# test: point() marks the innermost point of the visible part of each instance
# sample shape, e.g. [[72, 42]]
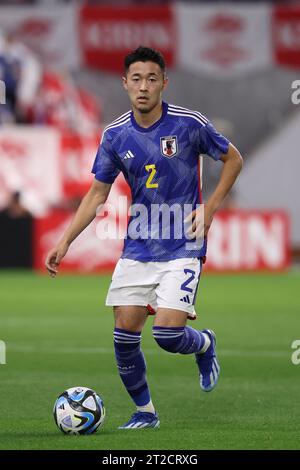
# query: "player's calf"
[[183, 340], [209, 368]]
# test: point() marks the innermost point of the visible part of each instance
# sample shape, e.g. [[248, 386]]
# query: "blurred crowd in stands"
[[35, 95]]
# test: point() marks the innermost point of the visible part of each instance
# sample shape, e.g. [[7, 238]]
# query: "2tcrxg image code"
[[151, 459]]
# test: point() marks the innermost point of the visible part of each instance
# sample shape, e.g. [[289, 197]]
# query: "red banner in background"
[[108, 33], [89, 252], [224, 40], [51, 168], [50, 33], [77, 156], [238, 241], [245, 240], [286, 35], [30, 164]]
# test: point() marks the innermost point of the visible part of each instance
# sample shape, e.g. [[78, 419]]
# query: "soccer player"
[[156, 146]]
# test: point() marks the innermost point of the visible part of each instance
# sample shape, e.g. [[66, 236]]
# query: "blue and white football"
[[79, 410]]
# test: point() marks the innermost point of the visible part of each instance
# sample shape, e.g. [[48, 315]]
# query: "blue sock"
[[131, 365], [183, 340]]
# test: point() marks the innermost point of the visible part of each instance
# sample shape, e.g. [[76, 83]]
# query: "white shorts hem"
[[177, 307], [124, 304]]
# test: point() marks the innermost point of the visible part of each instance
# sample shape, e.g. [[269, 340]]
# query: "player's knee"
[[166, 340], [130, 318]]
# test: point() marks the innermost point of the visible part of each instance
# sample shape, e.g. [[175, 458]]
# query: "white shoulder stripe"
[[188, 115], [107, 128], [185, 110], [120, 117], [110, 126], [181, 108], [191, 113]]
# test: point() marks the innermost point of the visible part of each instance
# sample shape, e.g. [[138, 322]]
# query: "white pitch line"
[[24, 348]]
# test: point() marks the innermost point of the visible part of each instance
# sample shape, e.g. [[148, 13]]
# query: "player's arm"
[[85, 213], [233, 163]]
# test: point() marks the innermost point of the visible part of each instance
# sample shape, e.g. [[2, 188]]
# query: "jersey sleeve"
[[210, 142], [105, 167]]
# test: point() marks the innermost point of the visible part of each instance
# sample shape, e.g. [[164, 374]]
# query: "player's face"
[[145, 83]]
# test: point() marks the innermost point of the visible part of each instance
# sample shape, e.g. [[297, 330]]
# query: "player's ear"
[[124, 81], [165, 82]]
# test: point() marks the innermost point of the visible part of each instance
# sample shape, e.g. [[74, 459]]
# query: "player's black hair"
[[144, 54]]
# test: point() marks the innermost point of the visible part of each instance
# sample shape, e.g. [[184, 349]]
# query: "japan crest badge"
[[169, 146]]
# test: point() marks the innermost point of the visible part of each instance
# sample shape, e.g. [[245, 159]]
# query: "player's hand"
[[54, 258], [199, 221], [209, 213]]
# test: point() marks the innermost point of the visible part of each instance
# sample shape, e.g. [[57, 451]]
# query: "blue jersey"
[[161, 164]]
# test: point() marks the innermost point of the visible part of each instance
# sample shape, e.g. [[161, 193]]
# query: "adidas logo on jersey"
[[186, 299], [129, 154]]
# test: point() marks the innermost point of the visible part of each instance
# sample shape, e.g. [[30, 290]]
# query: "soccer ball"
[[79, 410]]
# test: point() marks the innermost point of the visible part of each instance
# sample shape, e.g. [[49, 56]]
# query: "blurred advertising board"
[[108, 33], [50, 33], [249, 240], [286, 35], [51, 169], [238, 241], [47, 166], [223, 39], [30, 164]]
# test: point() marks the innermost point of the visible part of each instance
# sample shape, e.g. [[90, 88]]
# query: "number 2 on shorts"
[[184, 285]]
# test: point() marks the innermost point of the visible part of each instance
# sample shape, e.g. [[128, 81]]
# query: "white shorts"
[[166, 284]]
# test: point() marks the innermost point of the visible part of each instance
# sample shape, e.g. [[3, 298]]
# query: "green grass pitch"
[[58, 334]]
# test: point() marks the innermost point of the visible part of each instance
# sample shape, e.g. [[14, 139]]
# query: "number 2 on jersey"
[[151, 168]]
